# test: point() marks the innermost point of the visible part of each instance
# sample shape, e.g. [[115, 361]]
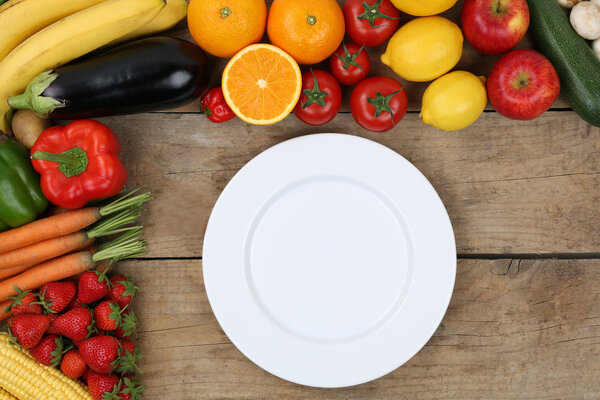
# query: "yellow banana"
[[67, 39], [168, 17], [20, 19]]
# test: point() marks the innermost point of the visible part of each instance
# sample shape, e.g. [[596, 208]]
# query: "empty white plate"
[[329, 260]]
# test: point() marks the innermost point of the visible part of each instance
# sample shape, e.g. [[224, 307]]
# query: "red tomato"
[[350, 64], [321, 98], [370, 22], [378, 103]]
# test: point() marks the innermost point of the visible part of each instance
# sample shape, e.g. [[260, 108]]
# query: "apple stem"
[[499, 8]]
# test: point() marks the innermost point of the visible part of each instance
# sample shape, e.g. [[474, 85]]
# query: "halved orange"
[[262, 84]]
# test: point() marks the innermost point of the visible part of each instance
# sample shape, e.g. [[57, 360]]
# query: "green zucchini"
[[574, 60]]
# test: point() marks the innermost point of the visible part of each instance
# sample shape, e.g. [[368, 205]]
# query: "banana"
[[174, 11], [67, 39], [20, 19]]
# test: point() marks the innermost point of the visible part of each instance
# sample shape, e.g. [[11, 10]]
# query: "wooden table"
[[524, 200]]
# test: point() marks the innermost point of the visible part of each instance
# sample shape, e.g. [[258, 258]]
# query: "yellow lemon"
[[424, 49], [422, 8], [454, 101]]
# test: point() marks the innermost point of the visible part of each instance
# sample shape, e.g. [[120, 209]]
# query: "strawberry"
[[99, 352], [76, 324], [73, 365], [24, 303], [56, 296], [123, 290], [99, 384], [27, 329], [52, 330], [86, 374], [128, 325], [108, 315], [128, 356], [74, 304], [93, 285], [49, 350], [130, 389]]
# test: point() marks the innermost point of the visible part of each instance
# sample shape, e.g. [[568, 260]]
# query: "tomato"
[[350, 64], [321, 98], [370, 22], [214, 106], [378, 103]]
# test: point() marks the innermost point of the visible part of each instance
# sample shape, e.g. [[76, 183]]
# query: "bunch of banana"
[[50, 33], [20, 19]]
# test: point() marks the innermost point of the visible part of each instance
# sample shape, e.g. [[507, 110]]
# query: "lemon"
[[454, 101], [424, 49], [422, 8]]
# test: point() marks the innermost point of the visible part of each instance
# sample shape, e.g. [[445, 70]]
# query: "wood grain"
[[471, 60], [509, 187], [526, 329]]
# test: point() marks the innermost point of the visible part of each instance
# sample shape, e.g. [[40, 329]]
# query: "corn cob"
[[26, 379], [4, 395]]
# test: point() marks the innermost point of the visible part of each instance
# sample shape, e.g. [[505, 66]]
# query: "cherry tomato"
[[350, 64], [370, 22], [321, 98], [214, 106], [378, 103]]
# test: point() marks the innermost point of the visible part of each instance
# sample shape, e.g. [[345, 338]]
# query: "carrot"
[[20, 259], [71, 264], [4, 306], [64, 224], [36, 253], [8, 272]]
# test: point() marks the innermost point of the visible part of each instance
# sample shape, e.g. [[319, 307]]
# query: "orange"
[[224, 27], [262, 84], [310, 30]]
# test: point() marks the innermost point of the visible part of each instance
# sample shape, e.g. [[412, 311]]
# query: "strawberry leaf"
[[130, 288]]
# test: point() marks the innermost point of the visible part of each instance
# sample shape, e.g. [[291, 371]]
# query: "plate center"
[[328, 258]]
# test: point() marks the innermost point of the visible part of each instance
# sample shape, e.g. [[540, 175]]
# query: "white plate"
[[329, 260]]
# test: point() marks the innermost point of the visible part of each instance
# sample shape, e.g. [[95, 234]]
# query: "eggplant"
[[150, 74]]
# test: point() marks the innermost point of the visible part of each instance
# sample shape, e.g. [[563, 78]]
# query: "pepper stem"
[[71, 162]]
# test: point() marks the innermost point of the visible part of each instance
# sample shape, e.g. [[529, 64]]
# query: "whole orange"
[[224, 27], [309, 30]]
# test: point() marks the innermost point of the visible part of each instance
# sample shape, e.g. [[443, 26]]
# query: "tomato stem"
[[372, 12], [350, 59], [314, 95], [382, 103]]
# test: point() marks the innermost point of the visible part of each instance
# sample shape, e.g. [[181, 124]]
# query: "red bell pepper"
[[79, 163], [214, 106]]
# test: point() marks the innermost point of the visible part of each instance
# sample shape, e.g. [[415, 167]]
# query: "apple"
[[494, 26], [523, 84]]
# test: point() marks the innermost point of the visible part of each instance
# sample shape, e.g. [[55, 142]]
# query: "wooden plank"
[[509, 187], [471, 60], [526, 329]]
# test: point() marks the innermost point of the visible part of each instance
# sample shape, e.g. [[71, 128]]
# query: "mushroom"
[[585, 18], [596, 47], [568, 3]]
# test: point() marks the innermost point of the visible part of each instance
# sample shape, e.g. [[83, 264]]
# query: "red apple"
[[523, 84], [494, 26]]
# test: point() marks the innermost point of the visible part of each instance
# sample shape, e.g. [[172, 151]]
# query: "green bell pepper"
[[21, 198]]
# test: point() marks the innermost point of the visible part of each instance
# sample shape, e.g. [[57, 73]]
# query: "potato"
[[27, 127]]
